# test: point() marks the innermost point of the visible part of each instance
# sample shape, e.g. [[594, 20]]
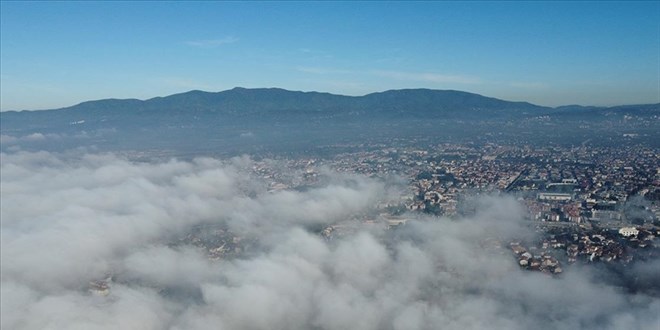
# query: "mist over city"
[[330, 165], [98, 217]]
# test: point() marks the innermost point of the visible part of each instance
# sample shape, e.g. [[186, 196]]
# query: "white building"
[[628, 231], [555, 196]]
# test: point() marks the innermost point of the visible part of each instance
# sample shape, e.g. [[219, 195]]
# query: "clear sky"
[[56, 54]]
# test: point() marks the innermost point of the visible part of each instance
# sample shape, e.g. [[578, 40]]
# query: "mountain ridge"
[[241, 119], [230, 97]]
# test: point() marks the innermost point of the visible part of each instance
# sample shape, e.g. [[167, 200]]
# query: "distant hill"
[[592, 111], [445, 102], [241, 101], [283, 116], [272, 103]]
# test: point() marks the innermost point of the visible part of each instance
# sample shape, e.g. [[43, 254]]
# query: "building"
[[546, 196], [628, 231]]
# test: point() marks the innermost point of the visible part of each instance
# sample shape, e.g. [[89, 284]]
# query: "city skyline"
[[60, 54]]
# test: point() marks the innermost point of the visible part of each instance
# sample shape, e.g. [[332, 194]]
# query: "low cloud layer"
[[69, 220]]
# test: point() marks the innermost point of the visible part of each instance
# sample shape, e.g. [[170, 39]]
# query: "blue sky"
[[56, 54]]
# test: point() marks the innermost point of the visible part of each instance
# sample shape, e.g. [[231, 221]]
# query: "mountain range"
[[241, 102], [205, 116]]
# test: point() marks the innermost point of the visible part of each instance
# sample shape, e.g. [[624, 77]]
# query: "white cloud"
[[34, 137], [178, 83], [211, 43], [68, 219], [8, 139], [321, 70], [529, 85], [428, 77]]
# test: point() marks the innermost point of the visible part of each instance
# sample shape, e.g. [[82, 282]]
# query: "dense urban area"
[[589, 205]]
